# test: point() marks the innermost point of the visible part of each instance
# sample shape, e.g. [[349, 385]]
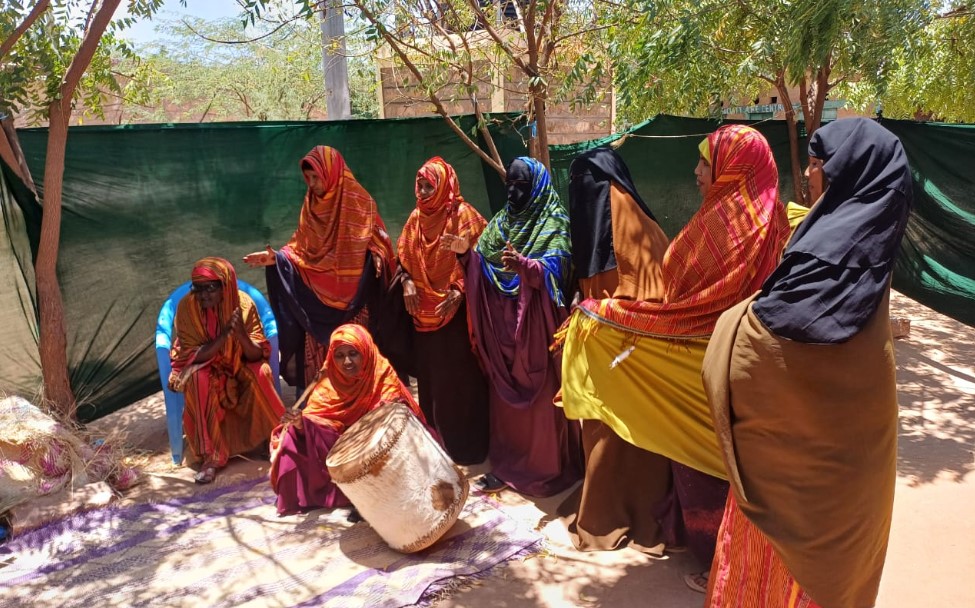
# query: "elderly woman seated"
[[354, 380], [220, 364]]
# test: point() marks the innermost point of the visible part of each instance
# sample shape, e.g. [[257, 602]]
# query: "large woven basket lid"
[[367, 442]]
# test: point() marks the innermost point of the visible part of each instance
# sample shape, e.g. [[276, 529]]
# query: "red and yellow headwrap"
[[726, 250], [339, 400], [336, 230], [434, 271], [219, 269]]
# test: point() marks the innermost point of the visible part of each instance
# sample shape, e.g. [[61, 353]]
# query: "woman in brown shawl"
[[220, 364], [617, 250], [801, 384]]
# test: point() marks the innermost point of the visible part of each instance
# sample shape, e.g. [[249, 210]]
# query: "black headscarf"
[[836, 268], [590, 221], [518, 183]]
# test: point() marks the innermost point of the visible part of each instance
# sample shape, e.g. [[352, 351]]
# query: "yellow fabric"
[[705, 149], [795, 213], [657, 396]]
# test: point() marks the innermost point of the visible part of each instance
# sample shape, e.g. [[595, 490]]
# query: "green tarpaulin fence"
[[141, 203]]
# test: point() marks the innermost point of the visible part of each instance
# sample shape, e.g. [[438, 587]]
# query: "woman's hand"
[[457, 244], [410, 298], [377, 262], [236, 326], [260, 258], [292, 417], [450, 304], [512, 260]]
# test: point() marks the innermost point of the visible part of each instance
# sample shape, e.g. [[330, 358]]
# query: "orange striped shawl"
[[434, 271], [194, 327], [338, 401], [726, 251], [335, 231]]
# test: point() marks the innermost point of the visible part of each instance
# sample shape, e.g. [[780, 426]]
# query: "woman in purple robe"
[[516, 277]]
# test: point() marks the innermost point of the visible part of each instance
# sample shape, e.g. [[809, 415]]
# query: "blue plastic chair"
[[164, 340]]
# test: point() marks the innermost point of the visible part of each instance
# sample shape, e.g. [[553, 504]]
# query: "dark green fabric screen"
[[142, 203], [936, 265]]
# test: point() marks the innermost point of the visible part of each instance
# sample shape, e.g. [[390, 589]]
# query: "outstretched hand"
[[457, 244], [260, 258], [512, 260]]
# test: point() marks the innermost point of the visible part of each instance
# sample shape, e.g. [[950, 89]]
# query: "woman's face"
[[315, 183], [424, 188], [815, 179], [702, 174], [349, 360], [208, 293], [518, 183]]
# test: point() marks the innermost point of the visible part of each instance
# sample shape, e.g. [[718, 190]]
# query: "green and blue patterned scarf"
[[539, 230]]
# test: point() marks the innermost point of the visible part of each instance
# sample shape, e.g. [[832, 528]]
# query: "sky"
[[144, 31]]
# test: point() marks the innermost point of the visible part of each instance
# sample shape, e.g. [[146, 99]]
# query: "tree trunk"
[[53, 341], [540, 141], [13, 155], [822, 89], [792, 128]]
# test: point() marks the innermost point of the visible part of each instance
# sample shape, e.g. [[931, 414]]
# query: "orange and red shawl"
[[728, 248], [335, 231], [338, 401], [434, 271]]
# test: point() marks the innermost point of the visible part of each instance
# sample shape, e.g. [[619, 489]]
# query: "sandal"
[[698, 582], [205, 476], [489, 484]]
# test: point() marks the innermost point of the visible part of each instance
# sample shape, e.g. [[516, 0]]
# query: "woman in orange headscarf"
[[220, 363], [335, 266], [635, 365], [354, 380], [453, 392]]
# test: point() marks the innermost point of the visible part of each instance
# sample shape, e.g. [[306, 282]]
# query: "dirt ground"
[[931, 554]]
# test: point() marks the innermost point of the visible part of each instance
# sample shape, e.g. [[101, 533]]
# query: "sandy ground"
[[932, 546]]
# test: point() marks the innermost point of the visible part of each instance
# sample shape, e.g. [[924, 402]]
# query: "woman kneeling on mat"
[[354, 380]]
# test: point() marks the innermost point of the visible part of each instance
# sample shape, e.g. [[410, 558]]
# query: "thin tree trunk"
[[822, 90], [790, 121], [53, 340], [541, 124]]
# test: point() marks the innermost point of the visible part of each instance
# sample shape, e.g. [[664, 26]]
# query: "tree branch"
[[89, 44], [493, 33], [12, 39], [261, 37], [494, 163]]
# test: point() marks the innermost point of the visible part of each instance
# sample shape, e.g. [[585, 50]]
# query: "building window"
[[774, 100]]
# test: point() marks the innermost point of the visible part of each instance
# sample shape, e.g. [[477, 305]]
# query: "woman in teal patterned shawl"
[[535, 224], [515, 278]]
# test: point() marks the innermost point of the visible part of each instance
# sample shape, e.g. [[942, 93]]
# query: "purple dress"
[[533, 447]]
